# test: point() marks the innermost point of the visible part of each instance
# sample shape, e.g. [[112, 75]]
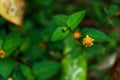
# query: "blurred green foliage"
[[31, 55]]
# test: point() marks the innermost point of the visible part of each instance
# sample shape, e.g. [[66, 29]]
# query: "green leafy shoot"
[[74, 20], [60, 33]]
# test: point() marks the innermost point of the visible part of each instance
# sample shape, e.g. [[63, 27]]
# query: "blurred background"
[[46, 60]]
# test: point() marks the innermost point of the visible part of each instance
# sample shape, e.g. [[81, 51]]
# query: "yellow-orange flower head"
[[77, 35], [88, 41], [10, 78], [2, 53]]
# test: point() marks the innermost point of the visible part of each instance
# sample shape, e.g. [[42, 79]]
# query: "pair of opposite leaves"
[[12, 10]]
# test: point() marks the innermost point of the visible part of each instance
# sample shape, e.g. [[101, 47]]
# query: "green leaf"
[[74, 19], [97, 35], [60, 33], [45, 69], [17, 75], [60, 20], [6, 67], [11, 43], [35, 52], [1, 42], [99, 15], [113, 9], [94, 51], [74, 68], [26, 72], [25, 44]]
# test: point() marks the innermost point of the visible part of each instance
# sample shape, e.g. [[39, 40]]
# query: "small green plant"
[[76, 45], [79, 47], [69, 24]]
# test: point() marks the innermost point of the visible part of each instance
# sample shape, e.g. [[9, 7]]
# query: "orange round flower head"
[[42, 45], [10, 78], [2, 53], [77, 35], [88, 41]]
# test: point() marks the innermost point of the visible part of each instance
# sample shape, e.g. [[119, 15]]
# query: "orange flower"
[[10, 78], [88, 41], [42, 45], [2, 53], [77, 35]]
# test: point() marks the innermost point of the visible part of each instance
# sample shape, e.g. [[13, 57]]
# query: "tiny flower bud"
[[2, 53], [77, 35], [88, 41], [42, 45]]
